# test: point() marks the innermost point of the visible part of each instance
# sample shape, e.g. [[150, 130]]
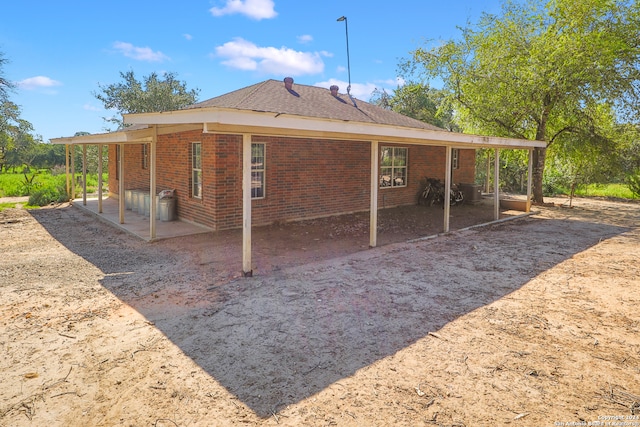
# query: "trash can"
[[128, 199], [147, 204], [167, 209], [134, 200], [472, 192]]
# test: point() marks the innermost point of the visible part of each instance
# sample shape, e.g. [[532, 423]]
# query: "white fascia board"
[[271, 121], [120, 137]]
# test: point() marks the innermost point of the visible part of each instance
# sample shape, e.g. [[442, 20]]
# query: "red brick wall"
[[305, 178], [310, 178], [135, 176]]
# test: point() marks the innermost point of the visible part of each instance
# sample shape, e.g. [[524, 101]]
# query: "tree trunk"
[[539, 156]]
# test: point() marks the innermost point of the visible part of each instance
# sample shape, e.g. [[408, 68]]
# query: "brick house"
[[275, 151]]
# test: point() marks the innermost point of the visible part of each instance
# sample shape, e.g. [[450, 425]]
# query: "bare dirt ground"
[[531, 322]]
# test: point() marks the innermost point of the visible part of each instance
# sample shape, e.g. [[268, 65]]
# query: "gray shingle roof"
[[308, 101]]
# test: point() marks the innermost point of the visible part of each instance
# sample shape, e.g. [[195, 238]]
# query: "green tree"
[[5, 85], [424, 103], [419, 101], [25, 146], [16, 139], [153, 94], [541, 71], [10, 128]]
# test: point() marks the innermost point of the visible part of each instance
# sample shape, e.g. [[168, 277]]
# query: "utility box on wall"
[[472, 192]]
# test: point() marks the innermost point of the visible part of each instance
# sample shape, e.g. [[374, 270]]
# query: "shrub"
[[553, 183], [58, 170], [47, 195], [633, 181]]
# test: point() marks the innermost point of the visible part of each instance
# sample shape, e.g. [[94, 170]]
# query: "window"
[[257, 171], [455, 158], [393, 167], [145, 156], [196, 170]]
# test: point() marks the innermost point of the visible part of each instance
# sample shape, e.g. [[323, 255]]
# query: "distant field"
[[17, 184], [619, 191]]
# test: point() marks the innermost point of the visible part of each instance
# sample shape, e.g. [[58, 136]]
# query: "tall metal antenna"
[[346, 29]]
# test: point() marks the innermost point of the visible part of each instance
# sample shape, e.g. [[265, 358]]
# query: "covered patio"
[[108, 210], [279, 246], [112, 209], [285, 115]]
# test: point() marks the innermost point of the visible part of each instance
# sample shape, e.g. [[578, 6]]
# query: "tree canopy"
[[558, 71], [419, 101], [152, 94], [15, 132], [5, 84]]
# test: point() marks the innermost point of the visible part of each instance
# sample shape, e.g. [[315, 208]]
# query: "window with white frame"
[[257, 170], [196, 170], [455, 158], [393, 166]]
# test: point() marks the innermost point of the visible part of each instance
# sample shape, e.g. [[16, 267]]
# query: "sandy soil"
[[531, 322]]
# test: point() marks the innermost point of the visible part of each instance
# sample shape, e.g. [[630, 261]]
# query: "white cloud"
[[254, 9], [37, 82], [305, 38], [244, 55], [187, 36], [89, 107], [358, 90], [140, 53]]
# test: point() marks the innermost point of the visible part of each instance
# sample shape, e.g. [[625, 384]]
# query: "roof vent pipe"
[[334, 90], [288, 83]]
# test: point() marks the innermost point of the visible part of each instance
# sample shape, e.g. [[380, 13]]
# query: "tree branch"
[[561, 131]]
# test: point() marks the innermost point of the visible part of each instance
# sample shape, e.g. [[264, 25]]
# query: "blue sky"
[[60, 52]]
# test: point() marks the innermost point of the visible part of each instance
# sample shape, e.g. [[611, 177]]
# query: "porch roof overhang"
[[226, 120], [232, 121], [134, 135]]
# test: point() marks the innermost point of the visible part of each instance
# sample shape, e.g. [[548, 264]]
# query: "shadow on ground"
[[310, 321]]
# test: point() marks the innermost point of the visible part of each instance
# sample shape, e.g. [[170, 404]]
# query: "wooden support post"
[[152, 184], [373, 206], [84, 175], [447, 188], [487, 180], [496, 185], [100, 161], [529, 179], [73, 172], [67, 169], [121, 184], [247, 270]]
